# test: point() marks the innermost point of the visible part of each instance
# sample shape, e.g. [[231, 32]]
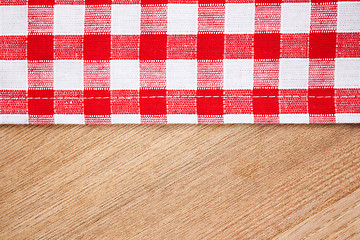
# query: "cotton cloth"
[[179, 61]]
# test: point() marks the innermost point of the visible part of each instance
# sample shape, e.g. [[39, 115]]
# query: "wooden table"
[[180, 182]]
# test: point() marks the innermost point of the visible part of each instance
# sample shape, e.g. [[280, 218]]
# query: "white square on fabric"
[[69, 19], [347, 72], [13, 20], [240, 18], [181, 118], [69, 119], [347, 117], [124, 74], [238, 118], [13, 75], [14, 118], [125, 118], [68, 75], [295, 17], [294, 118], [348, 17], [125, 19], [293, 73], [182, 19], [238, 73], [181, 74]]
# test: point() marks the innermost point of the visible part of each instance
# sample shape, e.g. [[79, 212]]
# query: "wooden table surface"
[[180, 182]]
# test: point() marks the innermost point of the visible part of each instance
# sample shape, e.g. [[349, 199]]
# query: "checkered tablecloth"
[[179, 61]]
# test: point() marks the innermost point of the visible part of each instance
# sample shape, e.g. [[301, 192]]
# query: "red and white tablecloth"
[[179, 61]]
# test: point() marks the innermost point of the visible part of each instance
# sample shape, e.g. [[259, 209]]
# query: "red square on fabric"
[[294, 45], [210, 102], [211, 18], [267, 1], [68, 47], [97, 47], [210, 74], [40, 19], [97, 19], [293, 101], [97, 119], [266, 74], [97, 102], [181, 101], [13, 47], [347, 100], [181, 46], [154, 2], [267, 46], [125, 102], [40, 75], [348, 45], [183, 1], [267, 18], [211, 1], [125, 46], [41, 2], [321, 101], [13, 102], [97, 2], [40, 47], [210, 46], [238, 101], [322, 45], [153, 19], [69, 2], [96, 75], [239, 46], [153, 74], [323, 1], [239, 1], [69, 102], [153, 46], [152, 101], [321, 73], [265, 101], [323, 17], [126, 1], [13, 2], [41, 102]]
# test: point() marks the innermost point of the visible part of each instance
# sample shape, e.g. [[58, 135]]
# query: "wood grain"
[[342, 219], [180, 182]]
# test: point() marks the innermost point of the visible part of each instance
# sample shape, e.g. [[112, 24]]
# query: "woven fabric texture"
[[179, 61]]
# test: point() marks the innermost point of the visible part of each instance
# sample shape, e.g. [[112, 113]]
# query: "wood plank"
[[340, 220], [172, 182]]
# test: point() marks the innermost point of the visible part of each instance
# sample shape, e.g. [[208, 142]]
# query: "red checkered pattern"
[[179, 61]]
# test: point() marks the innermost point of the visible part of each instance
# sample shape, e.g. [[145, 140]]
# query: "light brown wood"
[[180, 182], [342, 219]]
